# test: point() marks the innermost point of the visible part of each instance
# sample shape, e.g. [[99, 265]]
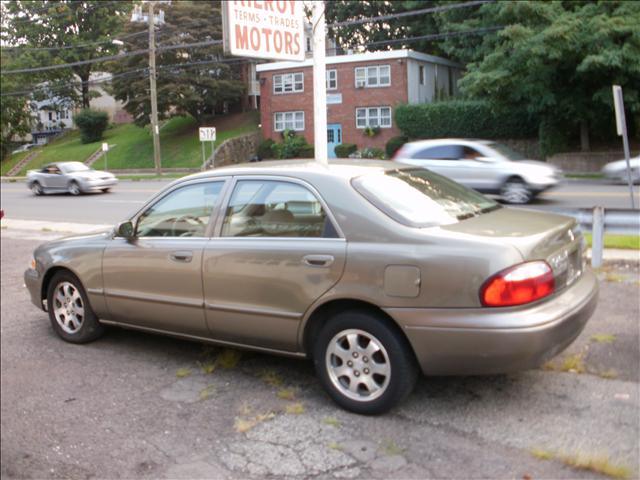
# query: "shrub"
[[464, 118], [307, 152], [394, 144], [92, 125], [369, 152], [345, 149], [265, 149], [292, 146]]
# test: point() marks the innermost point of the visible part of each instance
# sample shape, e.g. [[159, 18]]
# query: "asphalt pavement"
[[18, 202], [134, 405]]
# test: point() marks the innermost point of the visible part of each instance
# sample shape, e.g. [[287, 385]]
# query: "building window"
[[288, 83], [421, 75], [332, 79], [373, 117], [289, 121], [375, 76]]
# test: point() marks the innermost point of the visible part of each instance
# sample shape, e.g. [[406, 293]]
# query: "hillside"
[[132, 146]]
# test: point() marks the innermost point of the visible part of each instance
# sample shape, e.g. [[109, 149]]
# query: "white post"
[[319, 83], [597, 237], [621, 126]]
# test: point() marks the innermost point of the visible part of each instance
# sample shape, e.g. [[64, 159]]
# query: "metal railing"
[[598, 220]]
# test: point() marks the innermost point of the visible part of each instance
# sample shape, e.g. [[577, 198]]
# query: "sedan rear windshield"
[[417, 197]]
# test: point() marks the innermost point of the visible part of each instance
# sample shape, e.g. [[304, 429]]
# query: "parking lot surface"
[[134, 405]]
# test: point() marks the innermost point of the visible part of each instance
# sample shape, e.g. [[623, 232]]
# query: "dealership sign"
[[263, 29]]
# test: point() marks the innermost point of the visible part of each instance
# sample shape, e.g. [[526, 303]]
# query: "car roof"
[[303, 168]]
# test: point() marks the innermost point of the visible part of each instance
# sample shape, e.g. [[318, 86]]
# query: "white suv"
[[485, 166]]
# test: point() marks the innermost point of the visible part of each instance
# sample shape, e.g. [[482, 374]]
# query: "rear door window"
[[269, 208], [417, 197], [441, 152]]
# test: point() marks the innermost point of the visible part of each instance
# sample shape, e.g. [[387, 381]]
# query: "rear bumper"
[[477, 341]]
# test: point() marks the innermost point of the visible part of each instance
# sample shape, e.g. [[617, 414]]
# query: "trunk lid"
[[536, 235]]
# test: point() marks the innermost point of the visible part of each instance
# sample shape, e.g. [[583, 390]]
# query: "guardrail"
[[598, 220]]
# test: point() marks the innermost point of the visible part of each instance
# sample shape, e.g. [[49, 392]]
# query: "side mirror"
[[125, 230]]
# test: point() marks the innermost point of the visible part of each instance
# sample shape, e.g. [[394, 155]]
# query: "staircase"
[[96, 155], [22, 163]]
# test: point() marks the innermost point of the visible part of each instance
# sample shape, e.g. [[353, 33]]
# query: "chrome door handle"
[[318, 260], [181, 256]]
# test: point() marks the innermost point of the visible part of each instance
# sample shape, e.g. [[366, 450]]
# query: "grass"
[[133, 145], [390, 448], [206, 392], [585, 175], [333, 421], [271, 377], [334, 446], [295, 408], [10, 162], [287, 394], [208, 367], [183, 372], [571, 363], [243, 425], [627, 242], [603, 338], [593, 463], [228, 358]]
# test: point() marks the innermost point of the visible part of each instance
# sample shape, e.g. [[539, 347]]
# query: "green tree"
[[197, 89], [56, 32], [557, 60], [15, 111], [365, 35]]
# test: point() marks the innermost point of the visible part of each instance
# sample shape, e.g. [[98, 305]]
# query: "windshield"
[[71, 167], [506, 151], [417, 197]]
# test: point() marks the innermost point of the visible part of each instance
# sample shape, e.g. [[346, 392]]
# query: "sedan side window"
[[185, 212], [266, 208], [443, 152]]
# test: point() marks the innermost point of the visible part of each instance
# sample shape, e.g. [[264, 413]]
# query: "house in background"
[[363, 91], [53, 116]]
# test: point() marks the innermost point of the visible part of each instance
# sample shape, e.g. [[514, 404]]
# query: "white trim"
[[367, 84], [284, 121], [379, 117], [360, 57], [336, 72], [293, 83]]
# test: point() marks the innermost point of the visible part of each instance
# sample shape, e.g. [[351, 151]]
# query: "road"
[[18, 202], [134, 405]]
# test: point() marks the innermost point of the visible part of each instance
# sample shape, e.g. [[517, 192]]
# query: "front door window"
[[184, 212]]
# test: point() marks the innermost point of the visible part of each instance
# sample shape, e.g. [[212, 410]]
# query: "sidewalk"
[[36, 229]]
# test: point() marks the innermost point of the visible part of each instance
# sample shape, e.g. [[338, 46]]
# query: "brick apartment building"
[[362, 91]]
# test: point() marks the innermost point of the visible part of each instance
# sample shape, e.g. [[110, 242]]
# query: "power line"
[[123, 74], [23, 48], [112, 57], [393, 16], [438, 36]]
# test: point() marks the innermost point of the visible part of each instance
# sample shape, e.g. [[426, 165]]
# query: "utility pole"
[[154, 94], [155, 129], [319, 83]]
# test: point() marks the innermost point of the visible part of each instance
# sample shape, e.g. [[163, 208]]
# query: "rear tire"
[[364, 364], [516, 191], [74, 188], [36, 188], [69, 310]]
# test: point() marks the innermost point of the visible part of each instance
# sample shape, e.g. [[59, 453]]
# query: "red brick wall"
[[344, 113]]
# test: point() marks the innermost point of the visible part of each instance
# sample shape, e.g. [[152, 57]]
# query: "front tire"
[[36, 189], [365, 365], [69, 310], [74, 188], [516, 191]]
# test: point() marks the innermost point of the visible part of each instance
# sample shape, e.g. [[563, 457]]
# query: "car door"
[[53, 178], [155, 280], [278, 250]]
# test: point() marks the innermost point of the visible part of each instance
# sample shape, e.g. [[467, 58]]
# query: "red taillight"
[[517, 285]]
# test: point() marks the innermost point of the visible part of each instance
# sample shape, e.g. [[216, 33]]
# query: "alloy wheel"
[[515, 191], [68, 308], [74, 189], [358, 365]]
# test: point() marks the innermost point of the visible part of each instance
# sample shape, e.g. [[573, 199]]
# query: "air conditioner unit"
[[360, 84]]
